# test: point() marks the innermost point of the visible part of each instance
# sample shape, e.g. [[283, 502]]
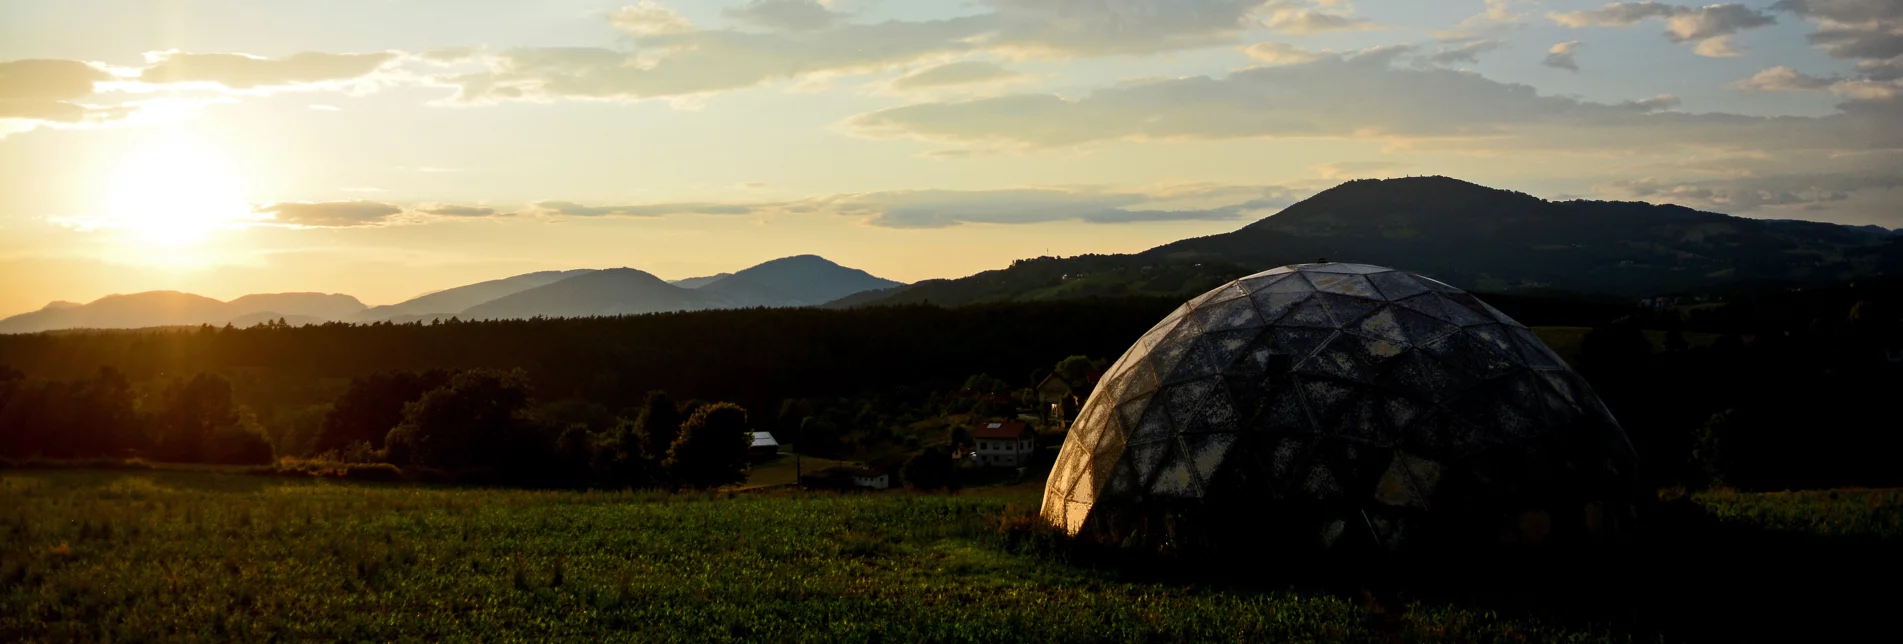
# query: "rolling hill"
[[1468, 235], [615, 291], [697, 282], [456, 300], [801, 280], [169, 308]]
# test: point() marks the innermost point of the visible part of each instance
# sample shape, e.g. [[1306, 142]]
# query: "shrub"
[[712, 447]]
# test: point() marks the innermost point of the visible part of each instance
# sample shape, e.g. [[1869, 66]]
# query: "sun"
[[171, 195]]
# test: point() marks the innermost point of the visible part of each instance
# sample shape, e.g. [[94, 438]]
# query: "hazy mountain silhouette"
[[169, 308], [800, 280], [1471, 236], [615, 291], [318, 306], [266, 317], [451, 301], [804, 280], [697, 282]]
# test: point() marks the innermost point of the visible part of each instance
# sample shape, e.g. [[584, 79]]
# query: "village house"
[[1003, 443], [764, 447]]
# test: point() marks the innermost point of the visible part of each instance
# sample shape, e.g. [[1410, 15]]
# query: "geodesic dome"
[[1344, 403]]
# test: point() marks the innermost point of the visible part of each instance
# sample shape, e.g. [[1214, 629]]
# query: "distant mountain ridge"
[[615, 291], [169, 308], [1468, 235], [451, 301], [697, 282], [801, 280]]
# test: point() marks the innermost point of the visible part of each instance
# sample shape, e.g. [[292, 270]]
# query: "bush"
[[929, 470], [477, 421], [712, 448]]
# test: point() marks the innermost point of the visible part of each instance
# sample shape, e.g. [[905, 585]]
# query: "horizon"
[[386, 150]]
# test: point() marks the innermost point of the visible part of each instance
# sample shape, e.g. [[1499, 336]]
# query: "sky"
[[386, 148]]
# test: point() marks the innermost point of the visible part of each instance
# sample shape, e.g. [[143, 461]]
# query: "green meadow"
[[141, 555]]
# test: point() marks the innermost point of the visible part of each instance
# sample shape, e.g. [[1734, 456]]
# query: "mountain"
[[800, 280], [319, 306], [615, 291], [697, 282], [455, 300], [263, 317], [1468, 235], [170, 308], [863, 298]]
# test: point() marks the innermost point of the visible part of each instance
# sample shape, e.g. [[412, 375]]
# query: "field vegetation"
[[90, 555]]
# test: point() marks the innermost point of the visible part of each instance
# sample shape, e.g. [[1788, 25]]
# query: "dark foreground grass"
[[130, 555]]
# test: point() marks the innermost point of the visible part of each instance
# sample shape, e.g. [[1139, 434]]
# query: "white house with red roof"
[[1003, 443]]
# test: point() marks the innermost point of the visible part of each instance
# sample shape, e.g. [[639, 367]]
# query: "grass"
[[1849, 513], [781, 470], [143, 555]]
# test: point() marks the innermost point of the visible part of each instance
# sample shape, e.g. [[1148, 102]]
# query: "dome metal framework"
[[1337, 399]]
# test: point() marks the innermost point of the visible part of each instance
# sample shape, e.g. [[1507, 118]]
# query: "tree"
[[199, 422], [929, 470], [477, 421], [985, 384], [619, 457], [1075, 370], [712, 447], [657, 426], [373, 405], [1709, 460], [959, 437], [192, 410], [820, 437]]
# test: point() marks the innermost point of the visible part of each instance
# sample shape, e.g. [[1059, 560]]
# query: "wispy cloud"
[[1709, 28], [1563, 56], [330, 214]]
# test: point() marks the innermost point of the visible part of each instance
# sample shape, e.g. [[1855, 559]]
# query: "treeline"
[[1766, 389], [756, 358], [173, 419], [1798, 391], [477, 424]]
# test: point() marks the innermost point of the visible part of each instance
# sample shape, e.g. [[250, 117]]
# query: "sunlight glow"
[[171, 196]]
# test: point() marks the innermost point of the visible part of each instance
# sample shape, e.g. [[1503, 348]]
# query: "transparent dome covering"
[[1344, 401]]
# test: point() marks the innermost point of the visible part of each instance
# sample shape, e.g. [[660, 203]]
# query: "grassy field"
[[96, 555], [142, 555]]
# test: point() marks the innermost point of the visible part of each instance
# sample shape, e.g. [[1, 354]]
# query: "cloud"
[[1467, 51], [450, 210], [1356, 169], [1339, 95], [787, 15], [672, 58], [1364, 95], [243, 71], [964, 72], [330, 214], [45, 90], [1294, 19], [1275, 53], [1783, 79], [572, 209], [649, 18], [945, 208], [1560, 56], [1068, 28], [699, 62], [1752, 193], [1869, 31], [1710, 27]]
